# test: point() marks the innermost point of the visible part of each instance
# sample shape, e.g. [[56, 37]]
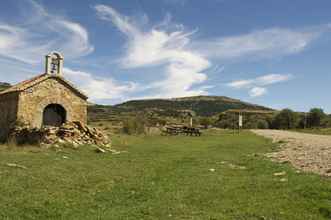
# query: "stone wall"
[[8, 113], [34, 100]]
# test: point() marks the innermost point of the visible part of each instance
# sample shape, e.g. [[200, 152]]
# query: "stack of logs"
[[72, 133]]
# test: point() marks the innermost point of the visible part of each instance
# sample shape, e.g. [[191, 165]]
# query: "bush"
[[205, 121], [135, 125], [326, 122], [315, 117], [250, 121], [225, 123], [286, 119], [262, 124]]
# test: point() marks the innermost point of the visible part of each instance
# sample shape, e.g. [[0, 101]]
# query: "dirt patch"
[[307, 152]]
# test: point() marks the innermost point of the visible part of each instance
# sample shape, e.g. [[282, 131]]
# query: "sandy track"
[[307, 152]]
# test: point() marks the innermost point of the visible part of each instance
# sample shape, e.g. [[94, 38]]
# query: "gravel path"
[[307, 152]]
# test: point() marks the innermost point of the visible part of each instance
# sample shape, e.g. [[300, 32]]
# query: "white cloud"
[[238, 84], [257, 86], [163, 44], [262, 43], [260, 81], [183, 63], [35, 33], [9, 36], [100, 88], [272, 79], [186, 62], [257, 91], [74, 41], [40, 34]]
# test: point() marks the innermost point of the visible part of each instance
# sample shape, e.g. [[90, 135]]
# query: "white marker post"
[[240, 121]]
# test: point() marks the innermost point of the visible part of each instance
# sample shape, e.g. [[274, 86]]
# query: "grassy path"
[[217, 176]]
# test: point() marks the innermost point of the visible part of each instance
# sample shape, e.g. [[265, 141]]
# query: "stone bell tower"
[[54, 64]]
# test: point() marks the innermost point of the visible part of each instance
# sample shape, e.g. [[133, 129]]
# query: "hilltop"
[[202, 106], [4, 86]]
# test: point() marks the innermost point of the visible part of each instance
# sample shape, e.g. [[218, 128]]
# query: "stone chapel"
[[45, 100]]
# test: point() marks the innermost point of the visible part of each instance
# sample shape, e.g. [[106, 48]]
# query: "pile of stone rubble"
[[73, 134]]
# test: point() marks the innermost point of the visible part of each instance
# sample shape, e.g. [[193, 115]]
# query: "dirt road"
[[307, 152]]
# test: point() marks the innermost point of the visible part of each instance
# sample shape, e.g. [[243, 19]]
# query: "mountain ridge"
[[4, 86], [202, 105]]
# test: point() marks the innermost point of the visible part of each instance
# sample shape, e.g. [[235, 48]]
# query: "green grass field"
[[217, 176]]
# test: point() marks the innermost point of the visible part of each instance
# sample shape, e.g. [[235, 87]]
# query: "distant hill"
[[201, 105], [4, 86]]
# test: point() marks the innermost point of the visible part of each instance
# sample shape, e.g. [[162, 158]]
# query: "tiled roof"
[[38, 79]]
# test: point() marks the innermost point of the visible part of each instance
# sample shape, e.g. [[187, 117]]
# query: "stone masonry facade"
[[33, 101], [8, 113], [26, 102]]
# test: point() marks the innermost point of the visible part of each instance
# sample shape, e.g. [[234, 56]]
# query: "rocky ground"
[[307, 152], [72, 134]]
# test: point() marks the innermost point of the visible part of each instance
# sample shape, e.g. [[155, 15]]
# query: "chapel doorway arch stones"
[[54, 115]]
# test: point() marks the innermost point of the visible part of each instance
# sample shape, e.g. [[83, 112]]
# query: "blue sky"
[[273, 53]]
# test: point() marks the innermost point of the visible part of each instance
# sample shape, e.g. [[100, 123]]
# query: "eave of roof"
[[38, 79]]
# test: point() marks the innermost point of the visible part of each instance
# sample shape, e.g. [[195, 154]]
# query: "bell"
[[54, 68], [54, 63]]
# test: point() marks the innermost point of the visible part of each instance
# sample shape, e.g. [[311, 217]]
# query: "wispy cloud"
[[272, 79], [163, 44], [260, 81], [100, 88], [257, 91], [23, 45], [239, 84], [182, 60], [186, 61], [42, 33], [261, 43], [257, 86]]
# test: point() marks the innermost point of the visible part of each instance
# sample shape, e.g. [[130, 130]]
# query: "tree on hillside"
[[134, 125], [4, 86], [315, 117], [262, 124], [326, 122], [302, 120], [286, 119], [206, 121]]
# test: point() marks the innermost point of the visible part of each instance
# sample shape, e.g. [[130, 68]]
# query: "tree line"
[[284, 119], [288, 119]]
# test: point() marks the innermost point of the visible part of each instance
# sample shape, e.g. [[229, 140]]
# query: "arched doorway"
[[54, 115]]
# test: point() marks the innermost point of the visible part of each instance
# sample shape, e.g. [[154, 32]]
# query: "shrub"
[[326, 122], [286, 119], [135, 125], [315, 117], [205, 121], [262, 124]]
